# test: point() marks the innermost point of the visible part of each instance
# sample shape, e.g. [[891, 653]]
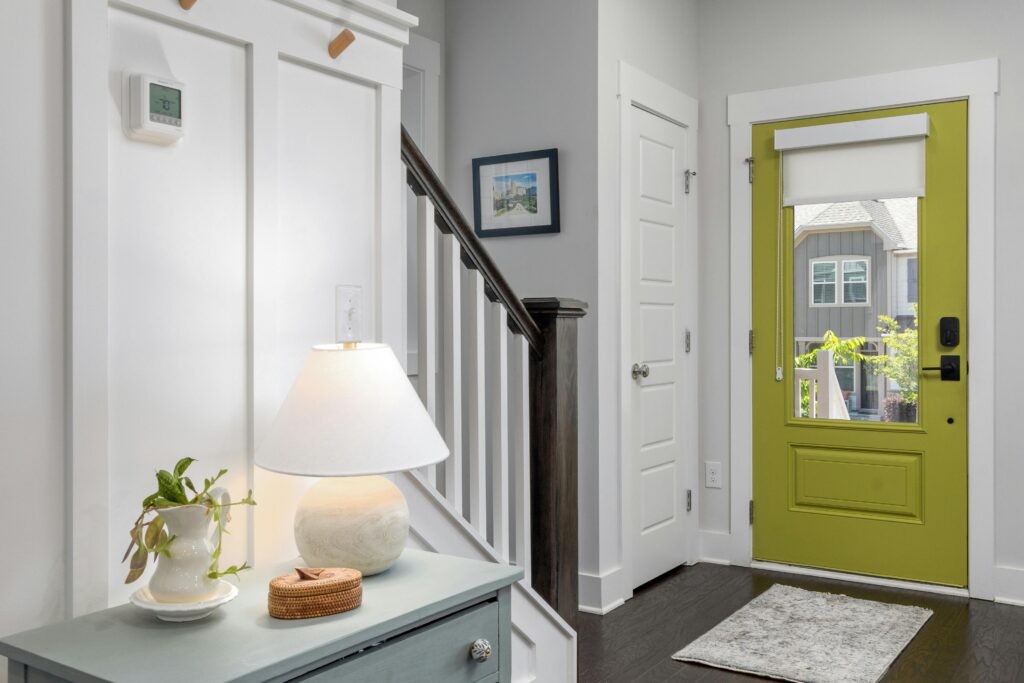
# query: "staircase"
[[498, 375]]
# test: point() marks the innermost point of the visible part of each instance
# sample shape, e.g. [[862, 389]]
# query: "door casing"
[[977, 82]]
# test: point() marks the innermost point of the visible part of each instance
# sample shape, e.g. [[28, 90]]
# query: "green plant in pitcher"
[[174, 489]]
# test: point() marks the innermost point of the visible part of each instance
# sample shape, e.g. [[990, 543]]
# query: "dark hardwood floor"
[[965, 640]]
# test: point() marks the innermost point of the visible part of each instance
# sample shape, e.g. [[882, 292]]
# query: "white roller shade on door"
[[859, 160]]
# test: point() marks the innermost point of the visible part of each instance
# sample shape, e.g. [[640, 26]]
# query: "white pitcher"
[[182, 577]]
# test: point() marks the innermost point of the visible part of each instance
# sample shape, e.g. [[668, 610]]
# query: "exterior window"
[[855, 281], [912, 280], [845, 375], [824, 282]]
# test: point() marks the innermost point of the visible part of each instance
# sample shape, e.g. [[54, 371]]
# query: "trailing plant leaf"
[[230, 571], [182, 465], [153, 531], [170, 487], [138, 565]]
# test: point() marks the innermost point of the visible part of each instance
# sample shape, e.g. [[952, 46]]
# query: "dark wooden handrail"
[[424, 181]]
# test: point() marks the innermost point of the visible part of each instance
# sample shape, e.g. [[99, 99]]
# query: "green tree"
[[900, 364]]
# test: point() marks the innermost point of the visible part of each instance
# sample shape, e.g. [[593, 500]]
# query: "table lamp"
[[351, 416]]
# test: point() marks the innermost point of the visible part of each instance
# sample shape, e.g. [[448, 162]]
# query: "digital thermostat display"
[[164, 102], [154, 110]]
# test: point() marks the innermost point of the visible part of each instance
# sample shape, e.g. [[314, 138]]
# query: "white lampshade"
[[351, 411]]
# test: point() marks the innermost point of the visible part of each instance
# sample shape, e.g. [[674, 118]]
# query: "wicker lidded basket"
[[315, 592]]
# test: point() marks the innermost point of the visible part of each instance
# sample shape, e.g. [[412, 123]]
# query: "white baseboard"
[[860, 578], [1009, 585], [715, 547], [601, 593]]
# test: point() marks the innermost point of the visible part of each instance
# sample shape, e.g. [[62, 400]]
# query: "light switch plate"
[[348, 313], [712, 475]]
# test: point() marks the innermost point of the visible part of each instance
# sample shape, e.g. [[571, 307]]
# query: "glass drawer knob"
[[480, 649]]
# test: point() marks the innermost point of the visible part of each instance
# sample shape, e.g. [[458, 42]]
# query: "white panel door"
[[662, 286]]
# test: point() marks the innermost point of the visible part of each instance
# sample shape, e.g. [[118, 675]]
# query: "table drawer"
[[436, 652]]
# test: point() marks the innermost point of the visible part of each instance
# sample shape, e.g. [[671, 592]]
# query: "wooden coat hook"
[[186, 4], [339, 44]]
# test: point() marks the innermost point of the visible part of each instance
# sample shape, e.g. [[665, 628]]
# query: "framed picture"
[[516, 194]]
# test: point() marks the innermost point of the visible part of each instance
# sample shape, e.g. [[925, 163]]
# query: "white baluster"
[[497, 403], [426, 380], [519, 428], [451, 360], [476, 402]]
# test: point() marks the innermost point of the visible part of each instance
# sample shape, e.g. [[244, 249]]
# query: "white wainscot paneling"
[[178, 278], [31, 318], [326, 237]]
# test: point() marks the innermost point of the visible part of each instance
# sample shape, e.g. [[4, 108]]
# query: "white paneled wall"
[[177, 278], [179, 287], [326, 153], [31, 315]]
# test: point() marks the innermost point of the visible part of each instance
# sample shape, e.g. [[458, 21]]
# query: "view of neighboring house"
[[854, 262]]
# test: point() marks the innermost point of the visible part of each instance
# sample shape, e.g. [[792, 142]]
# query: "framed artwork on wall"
[[516, 194]]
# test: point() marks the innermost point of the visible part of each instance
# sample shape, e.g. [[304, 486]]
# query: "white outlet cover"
[[712, 475]]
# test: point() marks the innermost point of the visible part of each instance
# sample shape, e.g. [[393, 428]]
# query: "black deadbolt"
[[949, 331]]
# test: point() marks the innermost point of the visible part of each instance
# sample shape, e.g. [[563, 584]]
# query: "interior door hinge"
[[689, 500], [750, 342], [686, 341], [687, 176], [751, 513], [750, 169]]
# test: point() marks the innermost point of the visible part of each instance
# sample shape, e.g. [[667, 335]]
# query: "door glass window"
[[855, 294]]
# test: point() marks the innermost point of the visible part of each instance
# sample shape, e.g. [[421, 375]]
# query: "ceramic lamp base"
[[356, 522]]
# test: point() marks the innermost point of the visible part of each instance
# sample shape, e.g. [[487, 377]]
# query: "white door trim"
[[978, 82], [637, 88]]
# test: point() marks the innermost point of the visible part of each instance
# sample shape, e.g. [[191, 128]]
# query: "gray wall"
[[746, 45], [846, 321], [522, 76]]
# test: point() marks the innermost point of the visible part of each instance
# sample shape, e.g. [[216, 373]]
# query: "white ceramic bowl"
[[184, 611]]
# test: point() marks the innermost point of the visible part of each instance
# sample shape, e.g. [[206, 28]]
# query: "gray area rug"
[[809, 637]]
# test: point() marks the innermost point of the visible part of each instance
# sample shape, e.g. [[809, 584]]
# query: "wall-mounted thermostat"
[[154, 109]]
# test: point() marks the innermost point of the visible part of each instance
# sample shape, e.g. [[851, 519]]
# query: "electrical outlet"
[[348, 313], [712, 475]]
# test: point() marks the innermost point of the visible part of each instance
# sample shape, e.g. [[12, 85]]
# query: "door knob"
[[641, 370]]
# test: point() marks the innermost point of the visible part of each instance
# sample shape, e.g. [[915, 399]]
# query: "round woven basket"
[[334, 590]]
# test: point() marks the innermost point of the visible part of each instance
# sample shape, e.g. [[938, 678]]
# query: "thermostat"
[[154, 109]]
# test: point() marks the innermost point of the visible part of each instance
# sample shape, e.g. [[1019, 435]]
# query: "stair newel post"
[[554, 445]]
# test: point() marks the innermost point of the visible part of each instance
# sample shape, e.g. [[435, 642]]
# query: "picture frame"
[[516, 194]]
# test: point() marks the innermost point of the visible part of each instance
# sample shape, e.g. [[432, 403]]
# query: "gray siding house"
[[853, 262]]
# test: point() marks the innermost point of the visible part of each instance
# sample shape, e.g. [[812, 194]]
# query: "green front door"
[[860, 455]]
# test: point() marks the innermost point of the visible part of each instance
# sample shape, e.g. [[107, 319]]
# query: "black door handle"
[[948, 368]]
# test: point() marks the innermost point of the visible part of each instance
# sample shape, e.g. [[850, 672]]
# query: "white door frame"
[[977, 82], [638, 89]]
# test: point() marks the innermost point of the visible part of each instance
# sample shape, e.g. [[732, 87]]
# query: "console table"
[[418, 622]]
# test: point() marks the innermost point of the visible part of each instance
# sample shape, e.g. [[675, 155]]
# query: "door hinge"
[[750, 169], [751, 513], [686, 341], [689, 500], [750, 342], [687, 176]]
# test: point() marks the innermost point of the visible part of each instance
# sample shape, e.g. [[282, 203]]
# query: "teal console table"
[[418, 622]]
